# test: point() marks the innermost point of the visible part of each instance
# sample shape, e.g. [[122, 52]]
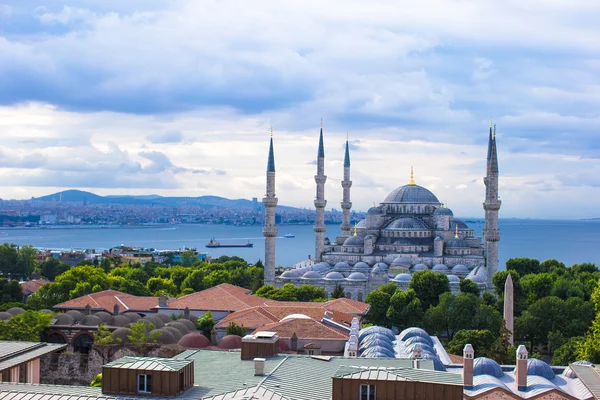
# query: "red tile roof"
[[304, 328], [107, 299], [250, 318], [32, 286]]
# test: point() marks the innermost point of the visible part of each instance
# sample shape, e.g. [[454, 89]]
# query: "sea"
[[569, 241]]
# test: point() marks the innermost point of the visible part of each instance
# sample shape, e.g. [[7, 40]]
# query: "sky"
[[177, 98]]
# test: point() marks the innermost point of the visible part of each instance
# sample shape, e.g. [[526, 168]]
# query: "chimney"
[[162, 300], [259, 366], [417, 351], [116, 309], [87, 310], [352, 346], [468, 355], [186, 313], [521, 368]]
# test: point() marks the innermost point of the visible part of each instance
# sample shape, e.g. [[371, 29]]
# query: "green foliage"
[[468, 286], [481, 340], [523, 266], [25, 327], [290, 292], [405, 309], [17, 262], [338, 292], [428, 287], [567, 352], [103, 336], [97, 381], [379, 302], [141, 333], [205, 324], [536, 286], [501, 350], [10, 291], [51, 268], [7, 306], [389, 288], [235, 329], [157, 286]]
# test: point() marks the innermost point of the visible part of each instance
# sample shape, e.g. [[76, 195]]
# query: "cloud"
[[166, 137]]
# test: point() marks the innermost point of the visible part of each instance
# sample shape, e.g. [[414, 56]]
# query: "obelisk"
[[509, 308]]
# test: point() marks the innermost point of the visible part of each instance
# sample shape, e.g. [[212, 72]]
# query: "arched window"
[[83, 343], [359, 297]]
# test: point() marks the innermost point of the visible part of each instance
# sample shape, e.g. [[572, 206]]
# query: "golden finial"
[[456, 234], [321, 122], [412, 177], [355, 230], [374, 205], [490, 122], [494, 134]]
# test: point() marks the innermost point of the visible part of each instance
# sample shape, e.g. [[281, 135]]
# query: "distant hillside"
[[79, 196]]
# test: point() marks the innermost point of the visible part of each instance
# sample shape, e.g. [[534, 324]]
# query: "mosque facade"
[[409, 231]]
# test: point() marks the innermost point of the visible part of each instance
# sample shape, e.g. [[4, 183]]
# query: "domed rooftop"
[[438, 365], [487, 366], [453, 279], [190, 325], [4, 316], [64, 319], [404, 277], [376, 342], [230, 342], [376, 270], [539, 368], [416, 339], [104, 316], [164, 336], [357, 276], [173, 331], [569, 373], [381, 265], [440, 268], [378, 352], [164, 318], [460, 269], [456, 221], [322, 266], [361, 267], [406, 223], [132, 316], [412, 194], [181, 327], [376, 329], [456, 243], [311, 275], [374, 210], [15, 311], [118, 320], [153, 319], [419, 267], [354, 241], [412, 332], [426, 347], [77, 316], [288, 275], [334, 276], [194, 341], [90, 320], [121, 333], [443, 211], [46, 311], [341, 266]]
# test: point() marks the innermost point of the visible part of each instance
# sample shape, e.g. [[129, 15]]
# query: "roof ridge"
[[221, 287]]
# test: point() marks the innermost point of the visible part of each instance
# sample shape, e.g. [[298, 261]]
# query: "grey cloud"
[[166, 137]]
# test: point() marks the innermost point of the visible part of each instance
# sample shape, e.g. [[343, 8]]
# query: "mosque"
[[409, 231]]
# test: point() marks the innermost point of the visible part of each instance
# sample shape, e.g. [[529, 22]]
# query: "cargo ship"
[[289, 236], [213, 243]]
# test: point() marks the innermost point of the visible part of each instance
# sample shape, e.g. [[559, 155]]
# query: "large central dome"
[[412, 194]]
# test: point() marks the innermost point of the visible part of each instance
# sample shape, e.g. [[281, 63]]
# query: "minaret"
[[269, 229], [320, 201], [346, 203], [491, 206], [509, 301]]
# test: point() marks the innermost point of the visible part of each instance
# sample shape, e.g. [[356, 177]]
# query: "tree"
[[235, 329], [205, 324], [8, 260], [216, 278], [567, 353], [338, 292], [501, 350], [194, 281], [523, 265], [310, 293], [26, 326], [428, 287], [97, 381], [157, 286], [389, 288], [379, 302], [481, 340], [103, 336], [537, 286], [26, 261], [141, 333], [552, 266], [405, 309], [52, 267], [437, 319], [10, 291], [468, 286], [135, 288], [188, 258], [487, 317]]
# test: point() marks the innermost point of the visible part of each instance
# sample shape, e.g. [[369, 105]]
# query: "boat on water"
[[289, 236], [213, 243]]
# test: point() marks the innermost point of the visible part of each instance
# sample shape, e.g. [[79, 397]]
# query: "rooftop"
[[107, 299], [15, 353]]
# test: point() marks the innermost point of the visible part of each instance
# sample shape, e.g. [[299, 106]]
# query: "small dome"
[[443, 211], [374, 210], [153, 319], [412, 194], [476, 278], [15, 311], [404, 277], [569, 373], [132, 316], [122, 334], [398, 261], [456, 243], [539, 368], [173, 331], [322, 266], [77, 315], [440, 268], [453, 279], [376, 270], [164, 318], [376, 329], [295, 316], [383, 266], [487, 366], [438, 238], [406, 223], [181, 327], [378, 352], [354, 241], [424, 346], [460, 269], [4, 316], [334, 276], [361, 267], [194, 341], [416, 339], [104, 316], [376, 341], [311, 275], [288, 275], [230, 342], [164, 337], [420, 267], [118, 320], [341, 266], [411, 332], [357, 276], [90, 320], [46, 311], [190, 325], [64, 319]]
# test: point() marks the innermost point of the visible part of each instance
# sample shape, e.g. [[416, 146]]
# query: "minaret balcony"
[[346, 205], [319, 228], [270, 231], [320, 203], [492, 236], [346, 227], [346, 184], [492, 205], [320, 179], [269, 201]]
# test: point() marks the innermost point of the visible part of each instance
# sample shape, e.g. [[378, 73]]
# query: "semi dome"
[[420, 267], [487, 366], [412, 332], [104, 316], [194, 341], [15, 311], [456, 243], [440, 268], [406, 223], [374, 210], [311, 275], [341, 266], [398, 261], [376, 329], [77, 316], [322, 266], [453, 279], [460, 269], [376, 270], [164, 336], [404, 277], [334, 276], [357, 276], [412, 194], [376, 341], [539, 368], [361, 267], [443, 211], [64, 319], [569, 373], [354, 241], [90, 320], [4, 316], [461, 224], [230, 342], [476, 278], [287, 275], [381, 265]]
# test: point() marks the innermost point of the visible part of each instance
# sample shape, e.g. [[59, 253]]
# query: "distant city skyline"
[[177, 99]]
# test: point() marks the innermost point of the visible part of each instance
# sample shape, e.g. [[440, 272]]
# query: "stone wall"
[[79, 369]]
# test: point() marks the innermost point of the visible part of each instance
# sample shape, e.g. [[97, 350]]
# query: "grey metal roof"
[[9, 348], [412, 194], [150, 363], [21, 391], [590, 376], [254, 393], [399, 374], [30, 353]]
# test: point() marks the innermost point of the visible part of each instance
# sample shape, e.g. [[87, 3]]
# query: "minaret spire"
[[412, 176], [269, 228], [491, 206], [346, 203], [320, 201]]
